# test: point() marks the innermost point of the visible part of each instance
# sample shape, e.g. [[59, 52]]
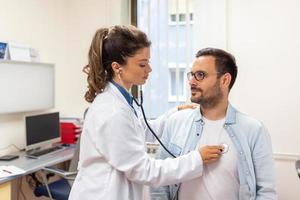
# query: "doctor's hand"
[[187, 106], [210, 154]]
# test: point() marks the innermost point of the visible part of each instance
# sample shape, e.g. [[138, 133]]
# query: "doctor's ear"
[[117, 68]]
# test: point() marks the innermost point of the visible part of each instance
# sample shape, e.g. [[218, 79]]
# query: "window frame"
[[180, 22], [177, 98]]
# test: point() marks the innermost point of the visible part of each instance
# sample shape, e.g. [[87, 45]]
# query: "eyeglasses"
[[199, 75]]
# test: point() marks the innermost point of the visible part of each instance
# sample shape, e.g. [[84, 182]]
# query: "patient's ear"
[[225, 80]]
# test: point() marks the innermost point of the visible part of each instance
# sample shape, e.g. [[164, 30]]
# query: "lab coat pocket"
[[175, 149], [244, 193]]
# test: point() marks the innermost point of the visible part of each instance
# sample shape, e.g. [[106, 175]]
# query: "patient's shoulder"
[[183, 115]]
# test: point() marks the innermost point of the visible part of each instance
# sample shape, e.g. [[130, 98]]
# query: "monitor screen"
[[42, 129]]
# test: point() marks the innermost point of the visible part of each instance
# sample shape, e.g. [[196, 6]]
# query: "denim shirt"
[[251, 139]]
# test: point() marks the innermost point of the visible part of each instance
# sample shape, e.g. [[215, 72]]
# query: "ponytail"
[[97, 76]]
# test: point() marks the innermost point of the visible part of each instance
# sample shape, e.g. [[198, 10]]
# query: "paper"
[[19, 52], [6, 171]]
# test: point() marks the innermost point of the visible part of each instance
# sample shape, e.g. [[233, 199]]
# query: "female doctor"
[[113, 164]]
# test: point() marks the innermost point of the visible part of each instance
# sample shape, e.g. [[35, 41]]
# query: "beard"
[[211, 98]]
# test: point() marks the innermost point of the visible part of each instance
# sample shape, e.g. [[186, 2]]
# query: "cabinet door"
[[5, 191]]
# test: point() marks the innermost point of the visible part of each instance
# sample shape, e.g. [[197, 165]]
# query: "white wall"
[[62, 32], [83, 19], [263, 35]]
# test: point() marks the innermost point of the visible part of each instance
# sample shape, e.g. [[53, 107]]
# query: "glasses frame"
[[200, 73]]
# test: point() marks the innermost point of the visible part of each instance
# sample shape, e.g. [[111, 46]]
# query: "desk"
[[32, 165]]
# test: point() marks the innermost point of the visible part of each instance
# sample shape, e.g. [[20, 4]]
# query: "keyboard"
[[44, 151]]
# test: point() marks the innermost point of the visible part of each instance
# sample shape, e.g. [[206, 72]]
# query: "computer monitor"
[[42, 129]]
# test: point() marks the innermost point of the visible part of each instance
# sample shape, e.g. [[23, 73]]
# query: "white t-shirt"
[[220, 179]]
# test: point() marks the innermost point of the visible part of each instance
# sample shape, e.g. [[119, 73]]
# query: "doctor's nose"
[[149, 68]]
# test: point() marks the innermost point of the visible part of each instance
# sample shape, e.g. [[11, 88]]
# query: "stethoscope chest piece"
[[225, 148]]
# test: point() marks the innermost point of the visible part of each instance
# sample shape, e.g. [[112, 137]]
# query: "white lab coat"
[[113, 164]]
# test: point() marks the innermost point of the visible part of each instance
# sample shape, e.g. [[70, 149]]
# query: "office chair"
[[297, 164], [61, 188]]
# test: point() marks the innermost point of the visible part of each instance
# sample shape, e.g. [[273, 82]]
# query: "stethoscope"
[[149, 127], [225, 146]]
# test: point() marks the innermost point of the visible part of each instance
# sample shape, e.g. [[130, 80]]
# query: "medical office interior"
[[263, 35]]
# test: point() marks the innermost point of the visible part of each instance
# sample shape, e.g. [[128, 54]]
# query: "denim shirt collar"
[[124, 92], [229, 119]]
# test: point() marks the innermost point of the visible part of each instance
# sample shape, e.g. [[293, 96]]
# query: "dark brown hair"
[[114, 44], [224, 61]]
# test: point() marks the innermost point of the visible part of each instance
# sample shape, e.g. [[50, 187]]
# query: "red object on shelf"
[[69, 132]]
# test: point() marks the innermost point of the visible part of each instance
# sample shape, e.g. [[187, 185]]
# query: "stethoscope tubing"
[[149, 127], [226, 147]]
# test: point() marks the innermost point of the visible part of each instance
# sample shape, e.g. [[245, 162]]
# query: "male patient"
[[245, 170]]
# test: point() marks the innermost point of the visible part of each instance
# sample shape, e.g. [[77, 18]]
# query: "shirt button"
[[241, 152], [198, 134], [225, 126], [176, 185]]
